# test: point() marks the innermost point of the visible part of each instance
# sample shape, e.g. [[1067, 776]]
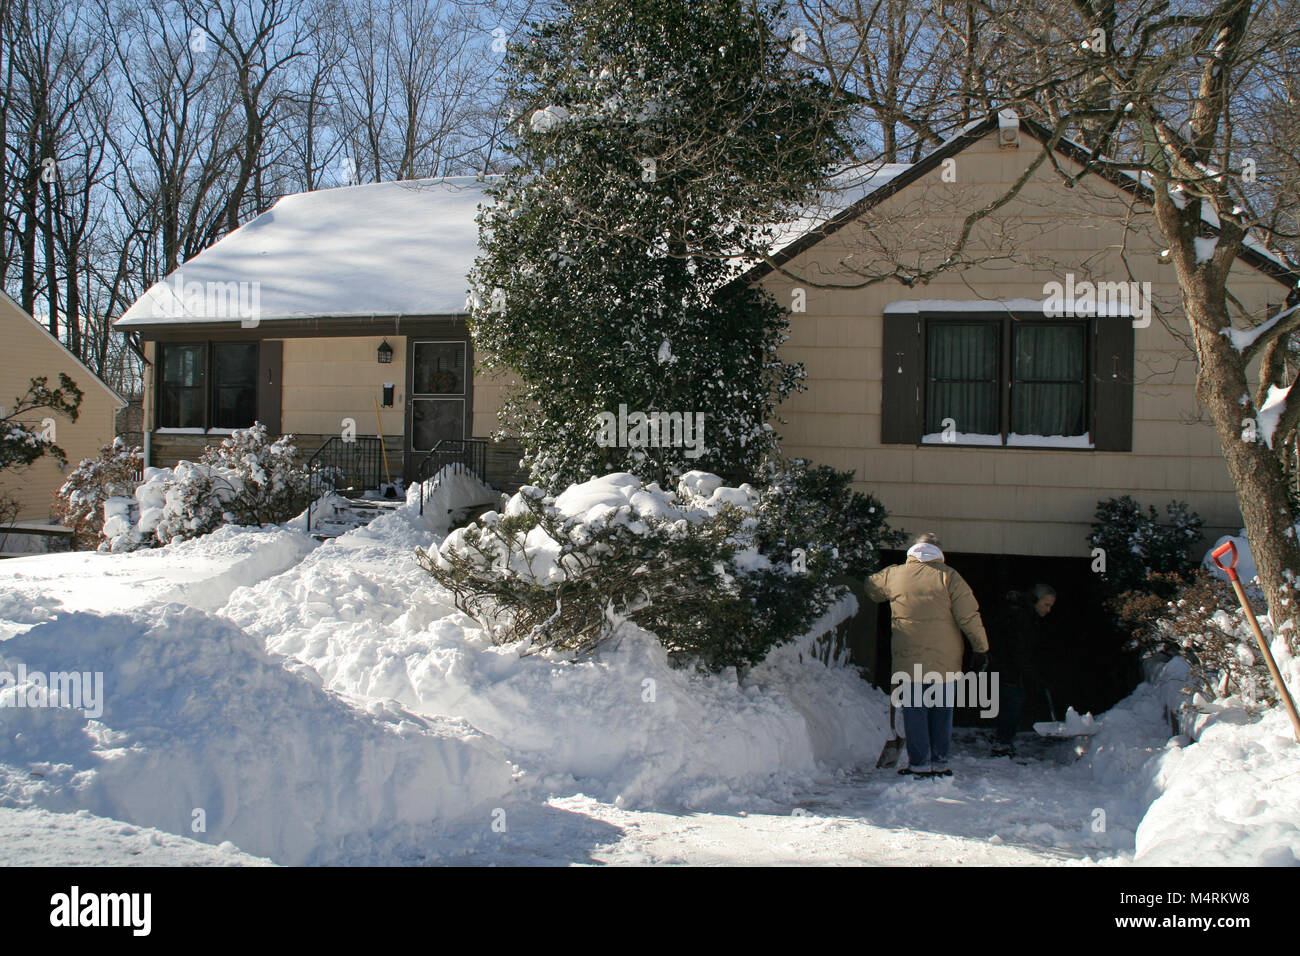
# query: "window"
[[962, 377], [234, 384], [1049, 380], [206, 385], [180, 395], [1006, 382]]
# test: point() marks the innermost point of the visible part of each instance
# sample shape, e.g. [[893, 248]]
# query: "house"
[[335, 314], [29, 352], [995, 404]]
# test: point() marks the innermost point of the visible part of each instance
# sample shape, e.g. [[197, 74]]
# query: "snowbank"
[[33, 837], [622, 724], [197, 716], [1232, 799], [201, 573], [1225, 792]]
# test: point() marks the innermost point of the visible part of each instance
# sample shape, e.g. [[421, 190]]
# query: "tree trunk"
[[1256, 473]]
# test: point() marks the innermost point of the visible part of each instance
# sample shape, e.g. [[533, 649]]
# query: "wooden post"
[[383, 449], [1231, 568]]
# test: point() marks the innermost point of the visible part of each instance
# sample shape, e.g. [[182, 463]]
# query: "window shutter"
[[1113, 383], [269, 360], [900, 406]]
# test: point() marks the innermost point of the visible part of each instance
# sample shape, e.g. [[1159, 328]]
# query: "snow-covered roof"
[[1076, 306], [396, 248], [847, 186]]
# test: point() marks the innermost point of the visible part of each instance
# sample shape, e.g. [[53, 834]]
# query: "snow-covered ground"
[[268, 698]]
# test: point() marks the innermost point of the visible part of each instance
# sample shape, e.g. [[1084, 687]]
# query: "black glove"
[[979, 662]]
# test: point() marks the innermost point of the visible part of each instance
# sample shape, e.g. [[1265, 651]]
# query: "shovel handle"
[[1231, 567]]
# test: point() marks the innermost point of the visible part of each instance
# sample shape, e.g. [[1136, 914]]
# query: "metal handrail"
[[469, 453], [350, 467]]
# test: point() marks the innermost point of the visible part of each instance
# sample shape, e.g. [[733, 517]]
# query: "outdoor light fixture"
[[385, 353]]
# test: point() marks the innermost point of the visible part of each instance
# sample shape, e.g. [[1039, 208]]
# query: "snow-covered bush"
[[79, 502], [721, 575], [247, 480], [1203, 623], [1137, 545]]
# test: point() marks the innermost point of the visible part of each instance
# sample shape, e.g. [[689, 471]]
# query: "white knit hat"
[[925, 551]]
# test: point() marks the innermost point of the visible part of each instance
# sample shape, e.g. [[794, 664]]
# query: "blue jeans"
[[928, 729]]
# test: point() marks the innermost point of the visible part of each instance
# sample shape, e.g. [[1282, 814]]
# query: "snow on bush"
[[197, 716], [1136, 544], [247, 480], [720, 575], [621, 723], [1203, 622], [79, 502]]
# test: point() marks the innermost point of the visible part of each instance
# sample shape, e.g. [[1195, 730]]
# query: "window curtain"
[[962, 377], [234, 374], [1049, 390]]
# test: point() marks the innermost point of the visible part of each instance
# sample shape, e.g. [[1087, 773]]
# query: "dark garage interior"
[[1082, 658]]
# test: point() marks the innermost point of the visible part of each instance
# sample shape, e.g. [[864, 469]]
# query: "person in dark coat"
[[1021, 628]]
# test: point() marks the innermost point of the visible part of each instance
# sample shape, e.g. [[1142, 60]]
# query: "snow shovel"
[[889, 754], [1231, 570]]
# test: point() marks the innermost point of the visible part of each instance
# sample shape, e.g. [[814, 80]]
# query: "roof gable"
[[22, 315], [971, 134]]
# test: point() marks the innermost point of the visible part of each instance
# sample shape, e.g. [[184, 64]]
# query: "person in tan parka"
[[931, 607]]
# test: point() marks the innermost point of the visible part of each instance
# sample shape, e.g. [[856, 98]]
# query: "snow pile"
[[200, 723], [448, 496], [1229, 800], [622, 724], [1074, 725], [34, 837], [1224, 792], [201, 573]]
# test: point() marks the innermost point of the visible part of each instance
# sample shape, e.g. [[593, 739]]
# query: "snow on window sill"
[[960, 438], [1050, 441], [1013, 440]]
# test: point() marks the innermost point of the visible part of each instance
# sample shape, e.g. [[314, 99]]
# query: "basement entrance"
[[1082, 657]]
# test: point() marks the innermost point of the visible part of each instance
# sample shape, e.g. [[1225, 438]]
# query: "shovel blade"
[[889, 754]]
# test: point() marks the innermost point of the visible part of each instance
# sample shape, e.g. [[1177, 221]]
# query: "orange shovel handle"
[[1231, 567]]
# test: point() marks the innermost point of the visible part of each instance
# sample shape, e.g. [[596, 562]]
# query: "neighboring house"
[[285, 319], [959, 403], [30, 352]]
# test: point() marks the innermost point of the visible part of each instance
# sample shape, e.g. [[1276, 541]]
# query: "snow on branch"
[[1249, 341]]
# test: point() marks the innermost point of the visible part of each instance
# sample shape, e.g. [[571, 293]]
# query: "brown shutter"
[[1113, 383], [900, 406], [269, 360]]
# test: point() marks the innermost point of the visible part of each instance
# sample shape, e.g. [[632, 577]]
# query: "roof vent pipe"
[[1008, 129]]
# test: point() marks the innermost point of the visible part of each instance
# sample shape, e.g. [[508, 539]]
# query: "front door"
[[437, 397]]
